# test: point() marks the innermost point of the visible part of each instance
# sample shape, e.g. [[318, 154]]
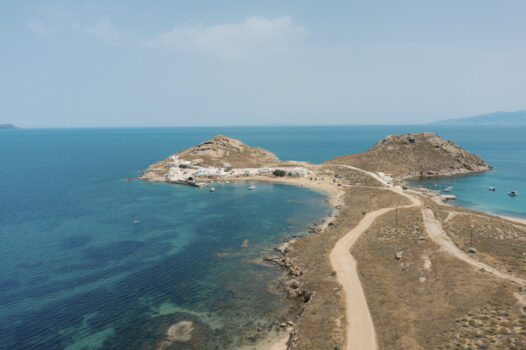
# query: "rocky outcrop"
[[220, 152], [416, 155], [223, 149]]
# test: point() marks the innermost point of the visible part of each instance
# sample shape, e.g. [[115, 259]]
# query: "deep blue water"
[[75, 271]]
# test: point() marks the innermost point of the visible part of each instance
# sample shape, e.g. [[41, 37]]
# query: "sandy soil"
[[334, 191], [360, 328]]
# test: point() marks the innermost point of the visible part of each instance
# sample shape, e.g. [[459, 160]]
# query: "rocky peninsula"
[[391, 268], [415, 156]]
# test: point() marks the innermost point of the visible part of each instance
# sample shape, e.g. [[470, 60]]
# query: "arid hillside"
[[223, 149], [214, 153], [415, 155]]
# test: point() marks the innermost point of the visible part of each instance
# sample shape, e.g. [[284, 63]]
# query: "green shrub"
[[279, 172]]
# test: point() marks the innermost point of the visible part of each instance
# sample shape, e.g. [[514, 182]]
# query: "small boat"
[[513, 193], [491, 188], [136, 222], [448, 189], [227, 182], [212, 189], [252, 187]]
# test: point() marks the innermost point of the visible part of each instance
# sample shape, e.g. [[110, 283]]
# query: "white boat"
[[212, 189], [448, 189], [227, 182], [513, 193], [252, 187], [491, 188], [136, 222]]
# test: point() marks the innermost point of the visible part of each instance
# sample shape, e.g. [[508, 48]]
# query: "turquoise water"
[[76, 272]]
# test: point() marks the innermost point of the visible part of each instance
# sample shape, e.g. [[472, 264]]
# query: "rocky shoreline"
[[294, 287]]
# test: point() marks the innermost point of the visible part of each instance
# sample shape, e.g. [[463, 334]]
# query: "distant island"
[[7, 126], [497, 118]]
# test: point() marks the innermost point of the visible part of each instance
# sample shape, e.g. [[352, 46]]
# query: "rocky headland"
[[416, 156], [218, 156]]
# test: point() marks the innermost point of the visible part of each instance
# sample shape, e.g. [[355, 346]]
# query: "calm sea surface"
[[76, 273]]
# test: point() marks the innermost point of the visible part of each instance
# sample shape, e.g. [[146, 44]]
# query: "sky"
[[220, 63]]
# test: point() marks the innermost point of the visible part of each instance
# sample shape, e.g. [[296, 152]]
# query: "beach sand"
[[517, 220]]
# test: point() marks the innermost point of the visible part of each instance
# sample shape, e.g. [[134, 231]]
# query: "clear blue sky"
[[171, 63]]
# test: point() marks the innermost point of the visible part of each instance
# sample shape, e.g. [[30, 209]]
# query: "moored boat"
[[252, 187], [513, 193], [491, 188]]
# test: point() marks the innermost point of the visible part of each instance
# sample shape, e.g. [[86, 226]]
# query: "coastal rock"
[[415, 155], [283, 248], [293, 284], [447, 197]]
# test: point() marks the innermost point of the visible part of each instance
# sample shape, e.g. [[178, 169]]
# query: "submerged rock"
[[181, 331]]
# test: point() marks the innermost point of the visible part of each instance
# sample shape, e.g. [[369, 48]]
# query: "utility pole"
[[471, 238], [396, 217]]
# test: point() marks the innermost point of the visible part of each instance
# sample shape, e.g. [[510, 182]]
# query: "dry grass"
[[417, 307], [350, 176], [322, 324], [499, 243]]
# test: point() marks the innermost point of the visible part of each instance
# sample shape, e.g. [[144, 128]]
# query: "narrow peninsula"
[[394, 267]]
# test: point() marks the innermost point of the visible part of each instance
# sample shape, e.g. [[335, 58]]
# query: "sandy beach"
[[517, 220]]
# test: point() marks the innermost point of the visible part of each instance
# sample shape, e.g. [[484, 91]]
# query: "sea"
[[92, 258]]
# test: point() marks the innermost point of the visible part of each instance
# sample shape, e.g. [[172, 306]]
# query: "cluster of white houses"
[[183, 171]]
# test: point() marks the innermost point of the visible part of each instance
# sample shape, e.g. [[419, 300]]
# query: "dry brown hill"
[[415, 155], [223, 149]]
